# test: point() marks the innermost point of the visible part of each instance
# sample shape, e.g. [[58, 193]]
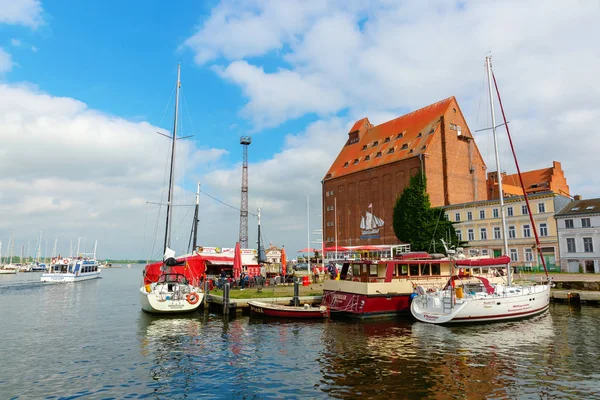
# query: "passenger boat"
[[280, 311], [385, 288], [467, 301], [82, 268], [170, 286]]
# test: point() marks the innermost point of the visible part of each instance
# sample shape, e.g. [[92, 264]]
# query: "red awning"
[[339, 248], [218, 260], [484, 262]]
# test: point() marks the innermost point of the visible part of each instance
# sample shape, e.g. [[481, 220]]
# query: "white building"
[[578, 226]]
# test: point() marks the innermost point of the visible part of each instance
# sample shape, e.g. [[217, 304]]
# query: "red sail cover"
[[484, 262], [193, 270]]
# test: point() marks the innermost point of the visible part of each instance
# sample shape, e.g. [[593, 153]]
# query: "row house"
[[480, 224], [579, 235]]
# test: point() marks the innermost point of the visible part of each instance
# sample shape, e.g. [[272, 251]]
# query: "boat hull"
[[532, 301], [69, 277], [8, 271], [355, 305], [279, 311], [155, 302]]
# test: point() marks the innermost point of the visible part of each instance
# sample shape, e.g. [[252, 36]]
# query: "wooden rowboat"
[[280, 311]]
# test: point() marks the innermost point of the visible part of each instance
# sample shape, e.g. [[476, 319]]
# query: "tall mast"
[[172, 175], [258, 241], [488, 62], [308, 231], [195, 227]]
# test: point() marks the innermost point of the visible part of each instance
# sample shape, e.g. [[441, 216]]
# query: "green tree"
[[415, 222]]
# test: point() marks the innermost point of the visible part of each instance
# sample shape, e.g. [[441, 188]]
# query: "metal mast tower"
[[244, 141]]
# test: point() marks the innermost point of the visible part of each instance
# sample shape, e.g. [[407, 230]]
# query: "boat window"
[[364, 269], [414, 270], [356, 269], [425, 269], [373, 270], [435, 269], [403, 270]]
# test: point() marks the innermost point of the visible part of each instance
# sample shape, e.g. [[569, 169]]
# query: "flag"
[[370, 205]]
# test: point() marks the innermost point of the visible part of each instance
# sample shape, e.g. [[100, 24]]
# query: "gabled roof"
[[395, 140], [533, 181], [576, 207]]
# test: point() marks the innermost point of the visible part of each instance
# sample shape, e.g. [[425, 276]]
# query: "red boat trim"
[[524, 313]]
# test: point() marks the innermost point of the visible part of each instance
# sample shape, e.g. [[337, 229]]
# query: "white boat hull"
[[57, 277], [7, 271], [161, 301], [522, 302]]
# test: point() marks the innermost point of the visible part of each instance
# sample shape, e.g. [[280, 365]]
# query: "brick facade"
[[377, 162]]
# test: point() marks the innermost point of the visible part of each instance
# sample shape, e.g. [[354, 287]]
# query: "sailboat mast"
[[260, 260], [308, 233], [488, 63], [172, 174], [195, 227], [512, 147]]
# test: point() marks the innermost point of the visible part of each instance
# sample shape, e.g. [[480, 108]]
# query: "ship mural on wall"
[[370, 224]]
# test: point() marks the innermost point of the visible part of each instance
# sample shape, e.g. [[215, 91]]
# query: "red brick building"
[[540, 180], [377, 162]]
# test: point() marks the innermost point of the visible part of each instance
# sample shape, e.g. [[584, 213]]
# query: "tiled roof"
[[533, 181], [581, 207], [398, 139]]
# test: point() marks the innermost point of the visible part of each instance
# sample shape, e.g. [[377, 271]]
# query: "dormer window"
[[431, 131], [367, 158], [400, 135], [590, 207], [378, 154], [364, 147], [387, 139], [391, 150], [419, 135], [423, 148], [345, 164], [575, 209], [404, 146], [355, 161], [410, 152], [375, 143]]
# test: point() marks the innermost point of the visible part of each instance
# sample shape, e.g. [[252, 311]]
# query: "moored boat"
[[385, 288], [260, 308], [82, 268], [464, 301]]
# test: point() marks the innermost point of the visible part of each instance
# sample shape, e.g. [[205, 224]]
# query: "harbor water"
[[91, 340]]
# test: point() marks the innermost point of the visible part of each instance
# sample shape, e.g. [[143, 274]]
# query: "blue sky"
[[92, 80]]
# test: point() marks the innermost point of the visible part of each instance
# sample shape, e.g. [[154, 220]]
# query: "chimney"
[[577, 197]]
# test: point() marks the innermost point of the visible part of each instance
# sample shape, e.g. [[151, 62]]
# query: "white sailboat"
[[171, 293], [2, 270], [10, 268], [478, 301]]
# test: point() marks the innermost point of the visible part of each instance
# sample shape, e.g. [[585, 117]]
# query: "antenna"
[[245, 142]]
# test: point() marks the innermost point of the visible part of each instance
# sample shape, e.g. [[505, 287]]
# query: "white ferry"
[[72, 270]]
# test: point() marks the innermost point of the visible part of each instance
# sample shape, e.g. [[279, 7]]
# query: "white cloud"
[[6, 62], [388, 58], [34, 49], [15, 42], [21, 12], [73, 171]]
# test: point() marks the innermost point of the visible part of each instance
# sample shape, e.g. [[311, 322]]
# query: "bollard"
[[296, 292], [573, 298], [206, 292], [226, 299]]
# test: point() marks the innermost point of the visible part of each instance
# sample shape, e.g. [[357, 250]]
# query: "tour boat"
[[82, 268], [170, 286], [385, 288], [280, 311], [467, 301]]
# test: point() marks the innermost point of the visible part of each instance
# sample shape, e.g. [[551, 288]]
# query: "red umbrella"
[[308, 250], [237, 261], [283, 261]]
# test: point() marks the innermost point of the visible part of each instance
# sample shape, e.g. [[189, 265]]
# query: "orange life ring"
[[192, 298]]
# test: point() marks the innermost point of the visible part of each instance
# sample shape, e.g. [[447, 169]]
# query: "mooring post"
[[296, 292], [206, 292], [226, 299]]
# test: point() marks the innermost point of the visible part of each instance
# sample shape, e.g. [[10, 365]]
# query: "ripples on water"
[[90, 340]]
